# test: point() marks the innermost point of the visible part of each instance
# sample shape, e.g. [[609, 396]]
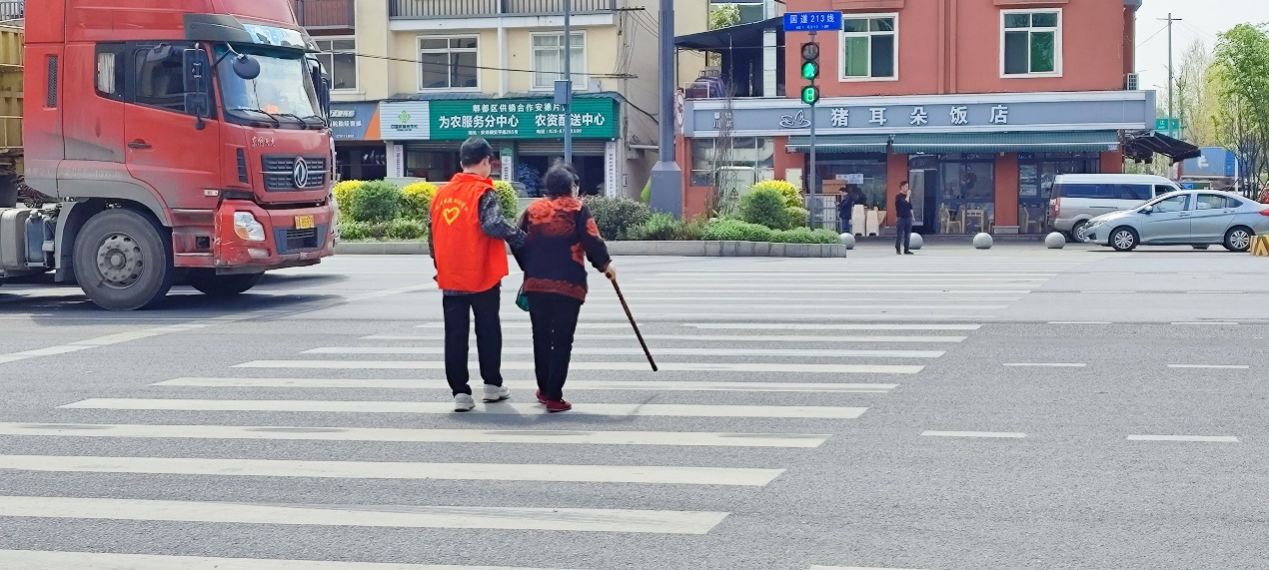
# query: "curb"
[[639, 248]]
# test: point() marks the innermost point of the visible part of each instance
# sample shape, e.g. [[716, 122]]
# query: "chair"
[[978, 215], [951, 222]]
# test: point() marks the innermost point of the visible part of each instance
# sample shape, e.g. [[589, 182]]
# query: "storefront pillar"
[[785, 161], [896, 172], [1007, 193], [1112, 162]]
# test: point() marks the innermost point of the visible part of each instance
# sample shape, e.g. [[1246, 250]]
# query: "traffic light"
[[810, 72]]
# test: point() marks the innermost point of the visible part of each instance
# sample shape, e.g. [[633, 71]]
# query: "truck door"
[[165, 149]]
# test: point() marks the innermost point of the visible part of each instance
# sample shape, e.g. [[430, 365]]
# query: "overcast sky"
[[1203, 19]]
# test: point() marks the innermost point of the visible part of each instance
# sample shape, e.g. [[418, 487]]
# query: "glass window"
[[1032, 42], [339, 60], [751, 153], [967, 197], [161, 78], [1216, 202], [110, 71], [283, 92], [870, 47], [1173, 204], [448, 63], [548, 60], [864, 173], [1162, 189]]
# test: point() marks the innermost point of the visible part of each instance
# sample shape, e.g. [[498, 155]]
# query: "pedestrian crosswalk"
[[751, 378]]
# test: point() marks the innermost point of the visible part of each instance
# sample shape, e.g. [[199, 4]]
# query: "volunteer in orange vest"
[[468, 231]]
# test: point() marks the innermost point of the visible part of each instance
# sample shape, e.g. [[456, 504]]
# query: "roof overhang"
[[744, 35], [1142, 146]]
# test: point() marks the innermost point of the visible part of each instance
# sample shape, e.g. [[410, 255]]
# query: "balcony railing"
[[12, 9], [411, 9], [326, 14]]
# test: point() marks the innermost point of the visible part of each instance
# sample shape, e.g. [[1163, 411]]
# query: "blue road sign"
[[812, 21]]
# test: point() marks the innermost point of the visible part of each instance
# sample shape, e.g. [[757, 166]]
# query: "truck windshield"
[[283, 93]]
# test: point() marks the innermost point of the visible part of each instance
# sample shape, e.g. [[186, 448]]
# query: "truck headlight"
[[247, 227]]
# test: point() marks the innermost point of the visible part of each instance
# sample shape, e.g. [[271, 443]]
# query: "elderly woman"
[[561, 237]]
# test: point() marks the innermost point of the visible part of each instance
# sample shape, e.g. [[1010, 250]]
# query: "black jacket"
[[902, 207]]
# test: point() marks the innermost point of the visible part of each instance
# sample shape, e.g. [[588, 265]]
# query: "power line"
[[1152, 36], [484, 67]]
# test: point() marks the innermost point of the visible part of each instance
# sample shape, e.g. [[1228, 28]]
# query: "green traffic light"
[[810, 70], [810, 95]]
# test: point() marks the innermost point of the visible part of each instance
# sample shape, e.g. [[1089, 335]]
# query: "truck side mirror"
[[197, 102]]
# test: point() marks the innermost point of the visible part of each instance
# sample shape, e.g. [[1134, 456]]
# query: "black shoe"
[[908, 253]]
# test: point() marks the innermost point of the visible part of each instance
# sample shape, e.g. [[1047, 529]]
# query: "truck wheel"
[[123, 260], [214, 285]]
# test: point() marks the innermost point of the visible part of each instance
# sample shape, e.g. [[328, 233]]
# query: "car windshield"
[[283, 91]]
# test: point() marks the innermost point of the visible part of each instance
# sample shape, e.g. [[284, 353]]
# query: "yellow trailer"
[[11, 44]]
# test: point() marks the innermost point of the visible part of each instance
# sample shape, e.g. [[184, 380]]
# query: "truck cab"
[[171, 142]]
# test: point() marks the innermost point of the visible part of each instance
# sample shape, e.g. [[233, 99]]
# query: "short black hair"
[[559, 180], [474, 151], [904, 183]]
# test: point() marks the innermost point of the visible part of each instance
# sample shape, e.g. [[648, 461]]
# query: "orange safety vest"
[[467, 259]]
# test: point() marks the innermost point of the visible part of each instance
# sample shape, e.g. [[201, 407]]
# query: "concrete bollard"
[[917, 242], [1055, 240], [848, 240], [983, 241]]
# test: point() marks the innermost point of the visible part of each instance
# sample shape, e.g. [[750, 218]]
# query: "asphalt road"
[[1017, 408]]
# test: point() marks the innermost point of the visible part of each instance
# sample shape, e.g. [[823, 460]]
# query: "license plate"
[[304, 222]]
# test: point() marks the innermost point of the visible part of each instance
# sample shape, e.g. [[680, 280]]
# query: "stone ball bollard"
[[983, 241], [917, 242], [848, 240], [1055, 240]]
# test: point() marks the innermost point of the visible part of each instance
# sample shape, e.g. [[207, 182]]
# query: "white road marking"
[[48, 560], [975, 274], [606, 300], [580, 326], [830, 307], [978, 434], [854, 568], [674, 316], [615, 351], [1190, 438], [598, 366], [1080, 322], [399, 435], [581, 520], [833, 327], [107, 340], [1045, 364], [636, 385], [393, 470], [1206, 323], [906, 290], [701, 338], [1211, 366], [371, 407]]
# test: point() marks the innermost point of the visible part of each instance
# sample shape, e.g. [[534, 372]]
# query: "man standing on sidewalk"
[[468, 230], [903, 219]]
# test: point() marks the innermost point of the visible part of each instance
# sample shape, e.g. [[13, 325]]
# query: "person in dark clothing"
[[466, 242], [562, 235], [845, 210], [903, 218]]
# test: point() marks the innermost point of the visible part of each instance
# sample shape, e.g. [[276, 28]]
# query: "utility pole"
[[667, 177], [568, 78], [1171, 82]]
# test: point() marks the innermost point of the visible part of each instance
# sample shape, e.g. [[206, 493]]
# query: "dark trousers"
[[903, 235], [458, 311], [554, 323], [843, 224]]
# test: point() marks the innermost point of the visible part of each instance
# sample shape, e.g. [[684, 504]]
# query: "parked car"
[[1191, 217], [1077, 198]]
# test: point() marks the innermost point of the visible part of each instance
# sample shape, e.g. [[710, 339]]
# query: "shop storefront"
[[528, 135], [360, 154], [975, 162]]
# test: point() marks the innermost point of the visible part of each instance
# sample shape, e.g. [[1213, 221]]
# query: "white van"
[[1077, 198]]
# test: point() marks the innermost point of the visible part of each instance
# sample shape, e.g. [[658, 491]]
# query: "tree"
[[1197, 97], [1240, 74], [724, 16]]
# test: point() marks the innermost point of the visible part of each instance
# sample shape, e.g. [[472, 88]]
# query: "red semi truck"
[[162, 142]]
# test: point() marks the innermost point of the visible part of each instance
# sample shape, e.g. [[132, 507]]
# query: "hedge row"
[[381, 210]]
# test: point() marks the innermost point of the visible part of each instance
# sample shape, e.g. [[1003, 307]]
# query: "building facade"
[[979, 104], [414, 78]]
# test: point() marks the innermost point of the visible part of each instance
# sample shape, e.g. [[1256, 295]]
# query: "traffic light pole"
[[811, 183]]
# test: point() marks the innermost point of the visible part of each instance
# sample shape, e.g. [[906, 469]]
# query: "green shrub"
[[765, 206], [735, 230], [797, 217], [406, 229], [790, 193], [343, 193], [658, 227], [350, 230], [416, 200], [691, 231], [377, 201], [646, 195], [617, 216], [805, 235], [508, 199]]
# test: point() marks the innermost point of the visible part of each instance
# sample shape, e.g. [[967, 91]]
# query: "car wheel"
[[123, 261], [1123, 239], [1079, 233], [1239, 238]]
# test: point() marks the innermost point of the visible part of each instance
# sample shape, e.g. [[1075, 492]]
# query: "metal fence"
[[326, 13], [12, 9], [467, 8]]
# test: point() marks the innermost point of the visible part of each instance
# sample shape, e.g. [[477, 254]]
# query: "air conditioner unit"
[[1132, 82]]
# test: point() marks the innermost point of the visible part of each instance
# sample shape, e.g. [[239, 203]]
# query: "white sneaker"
[[463, 403], [496, 393]]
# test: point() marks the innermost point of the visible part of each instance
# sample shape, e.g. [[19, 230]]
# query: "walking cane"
[[630, 316]]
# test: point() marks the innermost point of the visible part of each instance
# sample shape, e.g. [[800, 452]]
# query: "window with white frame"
[[870, 47], [339, 59], [1031, 42], [448, 63], [548, 59]]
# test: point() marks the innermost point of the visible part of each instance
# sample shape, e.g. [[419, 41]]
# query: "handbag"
[[522, 300]]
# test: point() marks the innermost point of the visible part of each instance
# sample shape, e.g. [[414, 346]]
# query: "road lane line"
[[1045, 364], [661, 306], [629, 385], [49, 560], [1080, 323], [402, 435], [1188, 438], [1205, 323], [558, 519], [738, 477], [615, 351], [975, 434], [1211, 366], [504, 408], [854, 568], [834, 327], [678, 339], [596, 366]]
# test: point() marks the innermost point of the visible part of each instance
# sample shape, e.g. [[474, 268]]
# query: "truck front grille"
[[280, 170]]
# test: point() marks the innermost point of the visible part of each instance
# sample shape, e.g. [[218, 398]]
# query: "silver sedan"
[[1193, 217]]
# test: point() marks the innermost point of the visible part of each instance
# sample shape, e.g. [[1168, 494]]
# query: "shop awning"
[[841, 143], [1074, 141], [1143, 146], [744, 36]]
